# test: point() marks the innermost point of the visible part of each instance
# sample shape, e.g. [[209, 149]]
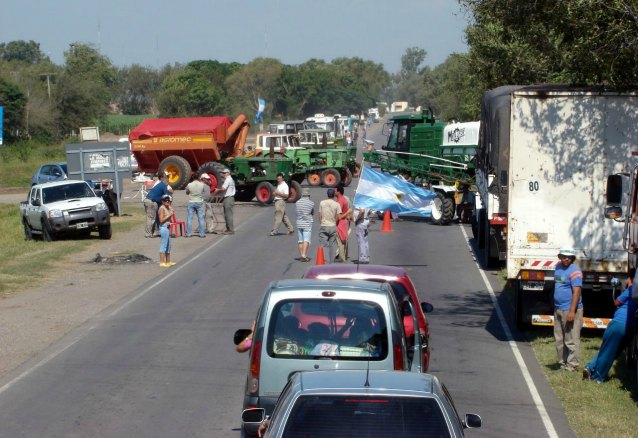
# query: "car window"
[[364, 416], [46, 170], [312, 328], [66, 191]]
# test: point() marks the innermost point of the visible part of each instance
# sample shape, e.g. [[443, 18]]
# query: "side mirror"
[[427, 307], [252, 419], [613, 212], [240, 335], [614, 190], [472, 421], [99, 193]]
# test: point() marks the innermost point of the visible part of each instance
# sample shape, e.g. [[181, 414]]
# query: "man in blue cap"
[[568, 309]]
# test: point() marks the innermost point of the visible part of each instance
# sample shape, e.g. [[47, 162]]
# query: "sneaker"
[[228, 233], [164, 265], [290, 232], [272, 233], [171, 263], [586, 374]]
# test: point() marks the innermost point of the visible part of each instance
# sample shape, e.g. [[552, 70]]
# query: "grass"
[[121, 124], [19, 161], [25, 263]]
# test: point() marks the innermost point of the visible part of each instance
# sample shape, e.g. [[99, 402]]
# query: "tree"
[[255, 80], [137, 88], [14, 103], [24, 51]]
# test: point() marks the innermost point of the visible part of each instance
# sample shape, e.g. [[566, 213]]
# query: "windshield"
[[327, 416], [307, 329], [66, 191]]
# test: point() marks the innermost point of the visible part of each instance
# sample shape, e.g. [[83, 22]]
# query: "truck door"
[[33, 211]]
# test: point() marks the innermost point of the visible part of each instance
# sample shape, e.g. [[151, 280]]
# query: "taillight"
[[255, 362], [533, 275], [397, 352]]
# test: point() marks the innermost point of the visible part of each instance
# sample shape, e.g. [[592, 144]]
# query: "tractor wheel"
[[314, 179], [330, 178], [28, 235], [214, 170], [178, 169], [295, 192], [346, 177], [442, 210], [264, 193]]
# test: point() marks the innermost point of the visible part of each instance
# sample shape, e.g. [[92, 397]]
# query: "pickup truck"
[[62, 207]]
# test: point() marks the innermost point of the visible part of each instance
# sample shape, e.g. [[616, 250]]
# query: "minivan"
[[311, 325]]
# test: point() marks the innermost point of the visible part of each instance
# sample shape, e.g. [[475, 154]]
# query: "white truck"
[[544, 153], [63, 207]]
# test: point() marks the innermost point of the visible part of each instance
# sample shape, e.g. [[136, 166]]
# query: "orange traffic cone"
[[387, 223], [320, 259]]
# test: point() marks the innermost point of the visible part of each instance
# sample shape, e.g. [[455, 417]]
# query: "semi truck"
[[544, 152]]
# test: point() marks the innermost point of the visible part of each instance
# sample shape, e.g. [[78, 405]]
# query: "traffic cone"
[[387, 223], [320, 259]]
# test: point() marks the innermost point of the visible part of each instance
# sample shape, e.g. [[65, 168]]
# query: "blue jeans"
[[604, 359], [165, 240], [199, 208]]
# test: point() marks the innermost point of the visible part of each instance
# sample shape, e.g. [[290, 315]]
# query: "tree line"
[[509, 42]]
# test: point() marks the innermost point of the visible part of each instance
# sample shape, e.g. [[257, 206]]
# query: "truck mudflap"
[[591, 323]]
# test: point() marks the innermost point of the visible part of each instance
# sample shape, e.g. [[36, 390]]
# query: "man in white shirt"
[[281, 195], [228, 191]]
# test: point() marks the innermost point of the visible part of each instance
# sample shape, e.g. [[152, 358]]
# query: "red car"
[[401, 285]]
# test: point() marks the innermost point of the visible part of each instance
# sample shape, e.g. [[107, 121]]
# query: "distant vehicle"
[[399, 106], [50, 172], [402, 286], [376, 403]]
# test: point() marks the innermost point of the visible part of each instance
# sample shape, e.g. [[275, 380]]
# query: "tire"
[[47, 234], [442, 210], [104, 231], [28, 235], [481, 228], [214, 170], [295, 192], [179, 171], [330, 178], [519, 308], [264, 193], [475, 228], [346, 177], [314, 179], [487, 260]]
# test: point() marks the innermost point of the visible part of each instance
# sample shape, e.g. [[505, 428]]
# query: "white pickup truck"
[[62, 207]]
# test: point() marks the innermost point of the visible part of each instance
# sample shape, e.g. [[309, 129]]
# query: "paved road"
[[161, 363]]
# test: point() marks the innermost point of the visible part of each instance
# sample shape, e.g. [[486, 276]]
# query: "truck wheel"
[[314, 179], [47, 234], [330, 178], [519, 308], [346, 177], [214, 170], [104, 231], [489, 262], [28, 235], [264, 193], [481, 228], [295, 192], [178, 169]]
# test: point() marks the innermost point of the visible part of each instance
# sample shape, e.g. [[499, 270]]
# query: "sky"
[[158, 32]]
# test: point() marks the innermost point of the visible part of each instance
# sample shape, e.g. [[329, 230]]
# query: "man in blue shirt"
[[568, 310], [152, 202]]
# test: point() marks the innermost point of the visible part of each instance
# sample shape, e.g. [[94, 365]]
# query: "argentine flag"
[[380, 191], [260, 110]]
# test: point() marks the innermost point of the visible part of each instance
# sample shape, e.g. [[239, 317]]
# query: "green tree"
[[14, 103], [24, 51], [255, 80], [137, 88]]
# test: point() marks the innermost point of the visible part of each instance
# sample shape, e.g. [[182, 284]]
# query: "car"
[[402, 286], [305, 325], [50, 172], [363, 403]]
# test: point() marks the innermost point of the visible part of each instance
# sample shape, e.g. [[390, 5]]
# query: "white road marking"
[[538, 402]]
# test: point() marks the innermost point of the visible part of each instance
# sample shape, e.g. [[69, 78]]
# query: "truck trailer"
[[544, 152]]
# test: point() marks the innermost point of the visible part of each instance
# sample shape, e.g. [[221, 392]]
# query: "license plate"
[[533, 285], [82, 225]]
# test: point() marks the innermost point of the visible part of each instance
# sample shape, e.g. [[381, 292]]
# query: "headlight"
[[55, 213], [101, 206]]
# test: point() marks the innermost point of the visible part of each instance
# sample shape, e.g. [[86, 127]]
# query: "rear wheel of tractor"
[[346, 177], [28, 235], [448, 211], [214, 170], [442, 210], [314, 179], [104, 231], [330, 178], [178, 169], [295, 192], [47, 234], [264, 193]]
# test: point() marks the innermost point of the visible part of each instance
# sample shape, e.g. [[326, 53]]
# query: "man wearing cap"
[[195, 191], [329, 214], [361, 217], [568, 309], [282, 192], [228, 192], [153, 201], [305, 210], [209, 217]]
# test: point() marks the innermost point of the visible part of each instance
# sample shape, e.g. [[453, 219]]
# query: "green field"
[[120, 124]]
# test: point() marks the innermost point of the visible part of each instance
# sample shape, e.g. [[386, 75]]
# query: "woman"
[[165, 214]]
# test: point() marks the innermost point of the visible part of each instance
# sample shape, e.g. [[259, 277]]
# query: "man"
[[152, 202], [195, 191], [209, 215], [305, 210], [343, 225], [329, 214], [281, 194], [362, 223], [228, 192], [568, 310]]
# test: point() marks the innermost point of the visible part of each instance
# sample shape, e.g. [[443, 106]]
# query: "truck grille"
[[76, 211]]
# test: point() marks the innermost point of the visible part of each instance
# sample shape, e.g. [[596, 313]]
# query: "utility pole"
[[48, 78]]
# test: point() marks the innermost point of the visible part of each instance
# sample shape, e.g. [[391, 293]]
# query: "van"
[[312, 325]]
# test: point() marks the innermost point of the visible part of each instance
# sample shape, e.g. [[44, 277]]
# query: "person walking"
[[165, 213], [195, 191], [228, 192], [281, 195], [305, 209], [329, 214], [568, 310], [343, 225], [362, 223], [209, 199], [152, 203]]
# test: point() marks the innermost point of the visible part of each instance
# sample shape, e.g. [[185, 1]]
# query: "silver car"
[[363, 404]]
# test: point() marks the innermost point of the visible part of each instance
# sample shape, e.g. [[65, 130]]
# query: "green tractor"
[[436, 155]]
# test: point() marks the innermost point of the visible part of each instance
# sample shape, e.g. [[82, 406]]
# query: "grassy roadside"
[[25, 263], [19, 161], [592, 409]]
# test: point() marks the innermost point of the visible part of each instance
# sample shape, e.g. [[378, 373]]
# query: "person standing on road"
[[282, 192], [152, 203], [195, 191], [165, 213], [305, 210], [343, 225], [228, 192], [362, 223], [568, 310], [329, 214], [209, 214]]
